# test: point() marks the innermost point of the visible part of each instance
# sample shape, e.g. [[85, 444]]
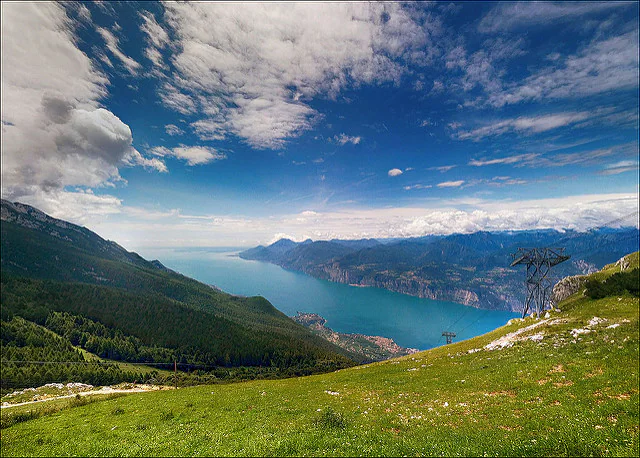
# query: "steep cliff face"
[[413, 285]]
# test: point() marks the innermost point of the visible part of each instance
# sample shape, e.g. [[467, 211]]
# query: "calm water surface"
[[410, 321]]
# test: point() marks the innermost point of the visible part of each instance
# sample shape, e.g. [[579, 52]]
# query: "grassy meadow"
[[566, 386]]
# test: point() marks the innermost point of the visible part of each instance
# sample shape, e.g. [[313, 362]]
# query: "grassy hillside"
[[562, 385]]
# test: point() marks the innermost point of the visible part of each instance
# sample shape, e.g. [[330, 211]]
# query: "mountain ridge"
[[472, 269], [153, 314]]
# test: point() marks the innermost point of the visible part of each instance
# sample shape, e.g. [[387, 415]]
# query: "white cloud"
[[172, 129], [517, 15], [417, 186], [437, 88], [135, 158], [83, 13], [193, 155], [155, 33], [112, 45], [620, 167], [450, 184], [442, 168], [602, 66], [583, 158], [445, 217], [524, 124], [157, 39], [55, 135], [251, 69], [498, 181], [516, 159], [343, 139], [80, 206], [394, 172]]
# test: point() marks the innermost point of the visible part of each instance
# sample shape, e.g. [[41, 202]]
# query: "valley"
[[562, 385], [326, 229]]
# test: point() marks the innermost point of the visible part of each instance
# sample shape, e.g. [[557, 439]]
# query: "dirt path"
[[103, 390]]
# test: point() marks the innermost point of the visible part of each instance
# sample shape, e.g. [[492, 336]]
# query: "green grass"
[[19, 414], [140, 368], [564, 395]]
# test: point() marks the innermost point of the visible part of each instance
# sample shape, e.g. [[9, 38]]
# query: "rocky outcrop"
[[623, 263], [371, 348], [566, 287]]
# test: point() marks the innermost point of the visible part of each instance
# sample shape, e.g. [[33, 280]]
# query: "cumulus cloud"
[[54, 133], [394, 172], [251, 69], [193, 155], [574, 212]]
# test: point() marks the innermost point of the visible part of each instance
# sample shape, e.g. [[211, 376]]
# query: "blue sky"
[[234, 124]]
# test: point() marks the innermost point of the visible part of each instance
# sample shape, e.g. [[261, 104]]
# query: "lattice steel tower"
[[539, 262]]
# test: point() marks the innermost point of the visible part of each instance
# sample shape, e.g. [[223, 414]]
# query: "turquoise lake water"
[[410, 321]]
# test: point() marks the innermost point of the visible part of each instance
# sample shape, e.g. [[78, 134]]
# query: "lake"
[[410, 321]]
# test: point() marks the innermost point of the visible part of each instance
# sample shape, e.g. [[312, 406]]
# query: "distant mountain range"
[[471, 269]]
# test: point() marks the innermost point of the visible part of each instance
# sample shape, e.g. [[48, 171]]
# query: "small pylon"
[[449, 335]]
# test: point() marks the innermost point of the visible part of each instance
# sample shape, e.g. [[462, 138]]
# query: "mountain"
[[99, 297], [565, 384], [472, 269]]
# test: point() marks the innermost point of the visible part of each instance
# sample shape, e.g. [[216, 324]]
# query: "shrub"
[[617, 284], [329, 419]]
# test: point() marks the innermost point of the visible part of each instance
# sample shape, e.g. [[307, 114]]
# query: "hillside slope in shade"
[[50, 266]]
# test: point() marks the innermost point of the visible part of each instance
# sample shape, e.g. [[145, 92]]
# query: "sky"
[[234, 124]]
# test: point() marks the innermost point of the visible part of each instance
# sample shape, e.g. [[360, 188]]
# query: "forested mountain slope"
[[152, 314]]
